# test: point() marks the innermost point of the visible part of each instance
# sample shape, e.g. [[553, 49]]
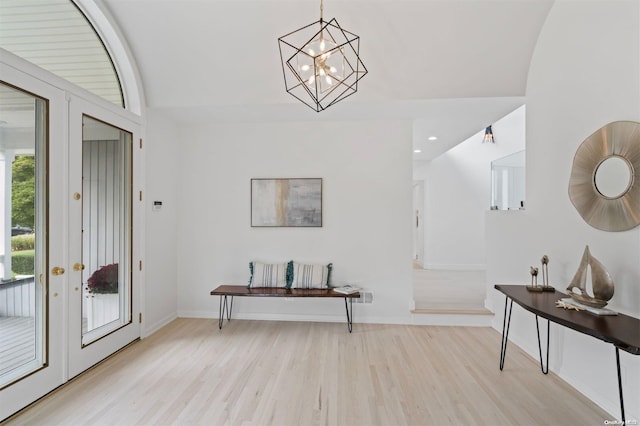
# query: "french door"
[[32, 299], [79, 298], [103, 289]]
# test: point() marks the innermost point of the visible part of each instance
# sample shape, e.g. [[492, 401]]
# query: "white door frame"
[[418, 222]]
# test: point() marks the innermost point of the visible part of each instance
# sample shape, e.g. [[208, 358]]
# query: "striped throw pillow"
[[311, 276], [268, 274]]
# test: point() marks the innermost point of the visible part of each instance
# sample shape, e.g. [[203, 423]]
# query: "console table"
[[622, 331]]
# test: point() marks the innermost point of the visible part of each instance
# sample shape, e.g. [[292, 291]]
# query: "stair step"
[[452, 311]]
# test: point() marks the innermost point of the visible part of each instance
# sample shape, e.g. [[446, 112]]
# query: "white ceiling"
[[222, 53], [451, 66]]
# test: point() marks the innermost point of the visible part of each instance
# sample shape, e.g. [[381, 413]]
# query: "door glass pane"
[[106, 228], [23, 183]]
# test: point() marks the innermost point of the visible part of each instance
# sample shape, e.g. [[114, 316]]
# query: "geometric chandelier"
[[321, 63]]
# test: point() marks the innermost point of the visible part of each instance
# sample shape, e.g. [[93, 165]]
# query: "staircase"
[[447, 297]]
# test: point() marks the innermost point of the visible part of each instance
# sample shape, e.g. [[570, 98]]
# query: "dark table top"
[[621, 330], [243, 290]]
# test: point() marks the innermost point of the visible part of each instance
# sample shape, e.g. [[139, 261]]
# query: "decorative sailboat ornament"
[[601, 282]]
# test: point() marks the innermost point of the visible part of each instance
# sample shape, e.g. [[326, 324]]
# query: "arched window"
[[56, 36]]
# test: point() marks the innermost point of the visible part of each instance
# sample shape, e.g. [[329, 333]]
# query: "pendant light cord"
[[321, 7]]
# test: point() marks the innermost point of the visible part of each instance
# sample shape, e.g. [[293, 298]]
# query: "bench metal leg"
[[506, 322], [224, 308], [349, 308], [545, 370]]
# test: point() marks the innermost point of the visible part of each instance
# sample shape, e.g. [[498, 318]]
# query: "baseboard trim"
[[452, 319], [357, 319], [441, 318], [148, 331], [452, 311]]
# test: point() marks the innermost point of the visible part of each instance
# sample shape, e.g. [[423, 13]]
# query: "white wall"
[[458, 193], [163, 147], [367, 203], [585, 73]]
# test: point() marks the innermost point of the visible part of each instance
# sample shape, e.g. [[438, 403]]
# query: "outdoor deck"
[[17, 342], [17, 323]]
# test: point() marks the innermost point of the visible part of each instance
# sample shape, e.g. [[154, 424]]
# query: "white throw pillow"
[[268, 274], [311, 276]]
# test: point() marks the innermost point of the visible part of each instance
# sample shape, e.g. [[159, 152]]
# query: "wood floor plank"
[[288, 373]]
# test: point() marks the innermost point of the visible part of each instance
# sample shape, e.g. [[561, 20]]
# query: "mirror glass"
[[604, 186], [508, 182], [612, 178]]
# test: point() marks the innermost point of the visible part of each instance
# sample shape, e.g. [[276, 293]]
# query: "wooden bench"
[[225, 291]]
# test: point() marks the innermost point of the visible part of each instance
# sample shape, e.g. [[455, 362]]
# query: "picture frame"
[[286, 202]]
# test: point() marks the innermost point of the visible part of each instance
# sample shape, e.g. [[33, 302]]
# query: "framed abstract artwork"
[[286, 202]]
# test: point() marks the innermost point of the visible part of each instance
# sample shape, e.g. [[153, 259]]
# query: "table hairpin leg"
[[349, 308], [224, 308], [542, 367], [624, 422], [505, 331]]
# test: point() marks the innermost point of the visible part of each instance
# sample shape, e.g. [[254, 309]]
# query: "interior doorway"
[[418, 224], [457, 199], [441, 288]]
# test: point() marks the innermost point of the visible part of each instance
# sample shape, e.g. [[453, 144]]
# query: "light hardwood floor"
[[287, 373]]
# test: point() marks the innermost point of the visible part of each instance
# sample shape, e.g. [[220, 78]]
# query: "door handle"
[[78, 267], [56, 270]]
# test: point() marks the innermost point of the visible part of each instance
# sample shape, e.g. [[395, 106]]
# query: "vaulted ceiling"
[[452, 67], [225, 53]]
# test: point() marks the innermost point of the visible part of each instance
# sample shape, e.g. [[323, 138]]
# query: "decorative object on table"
[[321, 63], [545, 274], [286, 202], [605, 178], [601, 282], [573, 304], [534, 280], [562, 303], [346, 289]]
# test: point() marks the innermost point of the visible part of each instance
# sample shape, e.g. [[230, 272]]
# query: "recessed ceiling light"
[[433, 138], [417, 151]]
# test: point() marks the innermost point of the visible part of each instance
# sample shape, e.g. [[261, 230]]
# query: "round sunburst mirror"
[[605, 179]]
